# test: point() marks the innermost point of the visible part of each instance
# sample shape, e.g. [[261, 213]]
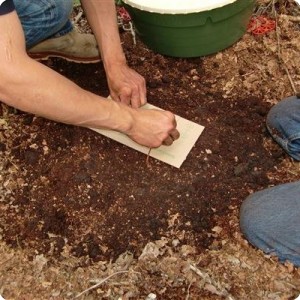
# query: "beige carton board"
[[173, 155]]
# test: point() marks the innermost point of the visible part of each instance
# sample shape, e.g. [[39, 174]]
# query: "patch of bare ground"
[[82, 216]]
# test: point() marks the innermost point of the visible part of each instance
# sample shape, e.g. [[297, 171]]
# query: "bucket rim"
[[177, 6]]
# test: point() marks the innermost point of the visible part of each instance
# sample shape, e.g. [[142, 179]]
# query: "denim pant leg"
[[270, 220], [283, 123], [42, 19]]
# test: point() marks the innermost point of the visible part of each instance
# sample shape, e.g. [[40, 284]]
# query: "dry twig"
[[99, 283], [148, 158], [77, 18], [279, 55], [188, 291], [220, 291]]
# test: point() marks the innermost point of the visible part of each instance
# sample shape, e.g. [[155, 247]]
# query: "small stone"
[[175, 243], [151, 296], [194, 72]]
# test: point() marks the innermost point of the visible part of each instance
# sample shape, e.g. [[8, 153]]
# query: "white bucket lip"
[[177, 6]]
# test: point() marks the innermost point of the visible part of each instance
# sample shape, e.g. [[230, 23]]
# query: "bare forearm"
[[125, 84], [101, 15], [32, 87], [37, 89]]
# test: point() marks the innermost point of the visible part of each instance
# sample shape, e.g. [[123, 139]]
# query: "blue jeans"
[[270, 220], [42, 19], [283, 123]]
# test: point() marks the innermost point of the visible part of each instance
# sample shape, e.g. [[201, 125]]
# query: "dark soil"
[[99, 198]]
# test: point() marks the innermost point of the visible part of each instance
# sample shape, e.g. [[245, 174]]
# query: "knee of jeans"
[[251, 220], [283, 123], [284, 114], [277, 116]]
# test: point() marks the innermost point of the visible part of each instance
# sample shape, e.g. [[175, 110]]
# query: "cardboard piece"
[[173, 155]]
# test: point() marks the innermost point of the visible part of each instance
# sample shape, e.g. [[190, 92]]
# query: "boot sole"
[[47, 55]]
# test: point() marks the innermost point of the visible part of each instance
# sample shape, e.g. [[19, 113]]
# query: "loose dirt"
[[81, 204]]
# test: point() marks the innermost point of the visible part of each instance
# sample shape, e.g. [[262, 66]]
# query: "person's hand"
[[153, 128], [126, 85]]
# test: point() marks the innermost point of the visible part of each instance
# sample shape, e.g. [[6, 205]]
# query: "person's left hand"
[[126, 85]]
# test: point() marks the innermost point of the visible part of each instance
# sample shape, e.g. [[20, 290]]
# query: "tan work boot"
[[74, 46]]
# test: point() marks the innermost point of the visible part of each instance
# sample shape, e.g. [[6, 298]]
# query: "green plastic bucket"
[[192, 34]]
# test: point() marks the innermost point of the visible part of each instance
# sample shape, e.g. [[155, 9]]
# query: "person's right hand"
[[153, 128]]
